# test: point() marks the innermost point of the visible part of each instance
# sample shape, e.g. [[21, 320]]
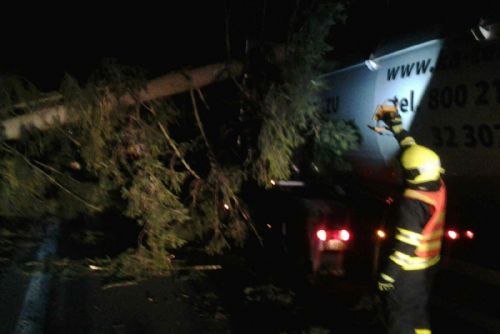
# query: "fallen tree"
[[166, 155], [167, 85]]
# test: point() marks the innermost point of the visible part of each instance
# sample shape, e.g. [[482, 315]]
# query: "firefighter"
[[406, 278]]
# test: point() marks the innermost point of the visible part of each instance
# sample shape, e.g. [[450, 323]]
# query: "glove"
[[390, 116], [385, 283], [393, 122]]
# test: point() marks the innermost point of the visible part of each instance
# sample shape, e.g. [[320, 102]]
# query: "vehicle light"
[[344, 235], [469, 234], [381, 234], [453, 235], [321, 234]]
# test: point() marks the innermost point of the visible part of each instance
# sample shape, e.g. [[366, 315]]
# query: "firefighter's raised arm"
[[393, 122]]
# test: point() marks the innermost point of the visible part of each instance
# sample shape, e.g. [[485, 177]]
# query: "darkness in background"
[[42, 42]]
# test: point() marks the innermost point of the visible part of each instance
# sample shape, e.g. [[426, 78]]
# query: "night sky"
[[41, 43], [44, 47]]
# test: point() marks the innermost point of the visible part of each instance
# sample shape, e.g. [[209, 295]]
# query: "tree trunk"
[[167, 85]]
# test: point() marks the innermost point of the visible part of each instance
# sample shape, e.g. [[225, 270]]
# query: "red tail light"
[[321, 234], [381, 234], [452, 234], [344, 235], [469, 234]]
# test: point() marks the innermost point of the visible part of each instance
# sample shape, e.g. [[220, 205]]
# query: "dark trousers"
[[407, 304]]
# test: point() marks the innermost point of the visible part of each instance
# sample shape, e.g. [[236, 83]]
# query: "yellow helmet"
[[421, 165]]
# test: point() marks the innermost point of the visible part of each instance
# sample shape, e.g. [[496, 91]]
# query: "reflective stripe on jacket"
[[428, 242]]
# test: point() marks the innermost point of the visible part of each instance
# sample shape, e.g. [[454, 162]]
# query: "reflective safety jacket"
[[419, 231]]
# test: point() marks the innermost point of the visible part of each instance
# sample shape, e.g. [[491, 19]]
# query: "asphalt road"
[[464, 301], [461, 303], [257, 292]]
